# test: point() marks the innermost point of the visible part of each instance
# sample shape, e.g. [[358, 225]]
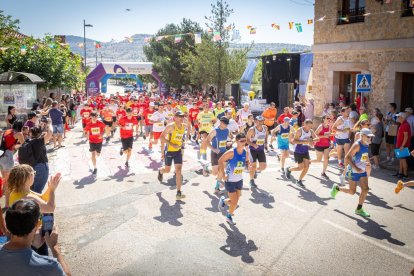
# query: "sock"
[[203, 151], [359, 207], [204, 155], [337, 188], [228, 215], [217, 185]]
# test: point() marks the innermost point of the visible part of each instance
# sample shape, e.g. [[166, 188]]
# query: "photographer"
[[16, 256]]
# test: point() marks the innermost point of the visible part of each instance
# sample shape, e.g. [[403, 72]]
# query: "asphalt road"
[[124, 222]]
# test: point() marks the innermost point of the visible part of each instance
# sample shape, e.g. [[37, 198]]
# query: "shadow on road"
[[214, 203], [260, 196], [373, 229], [170, 213], [81, 142], [310, 196], [121, 174], [87, 180], [237, 244], [171, 182], [377, 201], [326, 182], [404, 208]]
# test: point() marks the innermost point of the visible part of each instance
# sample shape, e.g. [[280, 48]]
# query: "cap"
[[151, 104], [367, 131], [286, 119], [224, 120], [259, 118], [401, 114], [409, 109], [179, 113]]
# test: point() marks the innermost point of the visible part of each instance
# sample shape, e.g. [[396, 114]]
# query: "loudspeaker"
[[235, 92], [286, 92]]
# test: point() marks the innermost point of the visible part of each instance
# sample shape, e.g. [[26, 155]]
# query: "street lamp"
[[84, 40]]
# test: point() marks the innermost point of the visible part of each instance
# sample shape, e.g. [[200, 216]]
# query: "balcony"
[[351, 16]]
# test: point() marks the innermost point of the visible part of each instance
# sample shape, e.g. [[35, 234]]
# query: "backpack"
[[26, 154], [3, 146]]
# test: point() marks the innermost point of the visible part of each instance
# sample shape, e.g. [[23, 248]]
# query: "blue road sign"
[[363, 83]]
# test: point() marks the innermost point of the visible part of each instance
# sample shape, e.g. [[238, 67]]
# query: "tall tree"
[[8, 29], [166, 53]]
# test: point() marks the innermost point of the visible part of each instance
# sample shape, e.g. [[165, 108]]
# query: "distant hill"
[[126, 51]]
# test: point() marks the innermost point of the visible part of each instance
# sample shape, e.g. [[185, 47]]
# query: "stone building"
[[364, 36]]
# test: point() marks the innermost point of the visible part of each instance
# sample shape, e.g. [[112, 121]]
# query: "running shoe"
[[126, 164], [323, 175], [230, 220], [221, 203], [399, 187], [271, 147], [405, 178], [287, 173], [107, 140], [143, 136], [159, 176], [95, 171], [179, 196], [121, 151], [362, 213], [334, 190], [342, 179], [300, 183], [252, 184], [282, 170], [396, 174], [218, 192], [255, 175]]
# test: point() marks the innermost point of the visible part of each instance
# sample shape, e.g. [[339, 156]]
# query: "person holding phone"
[[403, 141], [16, 256]]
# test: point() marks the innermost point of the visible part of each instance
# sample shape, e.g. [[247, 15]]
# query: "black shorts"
[[139, 118], [95, 147], [374, 148], [300, 156], [258, 156], [390, 139], [114, 119], [175, 156], [127, 143], [215, 158], [321, 149], [108, 123], [270, 128], [83, 125]]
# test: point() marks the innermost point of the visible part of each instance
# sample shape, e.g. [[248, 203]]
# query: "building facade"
[[369, 37]]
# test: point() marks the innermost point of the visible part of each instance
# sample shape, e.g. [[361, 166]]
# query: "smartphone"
[[47, 224]]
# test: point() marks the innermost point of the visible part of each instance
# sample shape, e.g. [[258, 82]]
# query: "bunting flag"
[[23, 49], [129, 39], [275, 26], [253, 31], [210, 30], [177, 39], [52, 46], [159, 38], [291, 25], [81, 45], [98, 45], [310, 21], [197, 38], [299, 27], [217, 36], [249, 27], [322, 18]]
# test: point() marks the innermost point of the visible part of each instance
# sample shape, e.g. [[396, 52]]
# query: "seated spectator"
[[16, 256]]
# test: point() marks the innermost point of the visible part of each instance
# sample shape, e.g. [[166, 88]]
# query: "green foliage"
[[165, 54], [8, 25]]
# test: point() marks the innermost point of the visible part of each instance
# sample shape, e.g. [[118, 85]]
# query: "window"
[[352, 11], [407, 8]]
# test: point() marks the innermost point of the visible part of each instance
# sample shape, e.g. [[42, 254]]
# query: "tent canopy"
[[19, 77]]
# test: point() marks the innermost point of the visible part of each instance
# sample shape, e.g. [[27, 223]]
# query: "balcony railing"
[[351, 16]]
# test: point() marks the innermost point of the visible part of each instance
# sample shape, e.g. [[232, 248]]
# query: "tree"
[[8, 28], [165, 54]]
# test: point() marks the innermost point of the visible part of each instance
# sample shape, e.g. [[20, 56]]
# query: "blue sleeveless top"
[[220, 140], [235, 166]]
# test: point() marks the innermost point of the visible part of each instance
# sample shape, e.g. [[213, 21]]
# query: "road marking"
[[362, 237], [293, 206]]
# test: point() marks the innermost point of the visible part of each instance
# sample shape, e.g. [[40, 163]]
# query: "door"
[[347, 86], [407, 91]]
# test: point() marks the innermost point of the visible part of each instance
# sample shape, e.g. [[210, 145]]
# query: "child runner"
[[95, 130], [127, 125]]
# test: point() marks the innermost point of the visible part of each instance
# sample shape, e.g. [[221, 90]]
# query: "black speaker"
[[286, 94], [235, 92]]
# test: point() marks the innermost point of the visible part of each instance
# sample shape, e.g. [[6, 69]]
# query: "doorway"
[[347, 85], [407, 90]]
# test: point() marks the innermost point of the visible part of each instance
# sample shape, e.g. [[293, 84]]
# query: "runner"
[[158, 120], [243, 114], [95, 130], [217, 142], [322, 146], [283, 132], [358, 161], [205, 120], [147, 115], [127, 125], [233, 174], [86, 116], [175, 133], [107, 116], [192, 116], [303, 138], [269, 114], [257, 139], [342, 128]]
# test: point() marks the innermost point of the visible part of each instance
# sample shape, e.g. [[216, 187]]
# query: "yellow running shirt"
[[205, 121], [176, 137]]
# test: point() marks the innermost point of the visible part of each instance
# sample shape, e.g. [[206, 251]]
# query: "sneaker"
[[300, 183], [396, 174], [405, 178], [159, 176], [252, 184], [95, 171], [323, 175], [179, 196], [126, 164], [221, 203], [218, 192], [271, 147], [282, 170], [399, 187], [143, 136], [121, 151], [400, 176], [362, 213], [229, 220], [334, 190], [255, 175], [287, 173], [342, 179], [107, 140]]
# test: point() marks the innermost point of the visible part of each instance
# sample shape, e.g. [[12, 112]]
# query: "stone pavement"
[[127, 223]]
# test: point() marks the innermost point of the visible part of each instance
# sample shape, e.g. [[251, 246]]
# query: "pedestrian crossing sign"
[[363, 83]]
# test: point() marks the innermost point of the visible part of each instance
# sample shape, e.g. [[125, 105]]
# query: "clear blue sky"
[[111, 20]]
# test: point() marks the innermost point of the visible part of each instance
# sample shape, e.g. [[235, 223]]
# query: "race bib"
[[149, 116], [364, 157], [244, 120], [238, 170], [95, 131], [160, 124], [178, 137], [260, 142], [285, 135], [205, 124], [86, 114], [222, 144], [128, 126]]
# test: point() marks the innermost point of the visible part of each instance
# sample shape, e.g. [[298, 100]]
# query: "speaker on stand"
[[235, 92]]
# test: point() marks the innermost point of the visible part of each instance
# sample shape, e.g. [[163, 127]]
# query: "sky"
[[110, 19]]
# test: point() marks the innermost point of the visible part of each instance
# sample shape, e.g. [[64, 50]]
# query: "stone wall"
[[376, 27], [382, 64]]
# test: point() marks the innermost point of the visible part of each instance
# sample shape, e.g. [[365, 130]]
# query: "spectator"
[[16, 256], [410, 121], [353, 114], [363, 115], [56, 116], [390, 132], [11, 116], [342, 98], [377, 127], [358, 101], [308, 110], [32, 120], [269, 114], [403, 141], [285, 113]]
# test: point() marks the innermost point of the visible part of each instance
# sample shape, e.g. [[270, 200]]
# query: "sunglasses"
[[242, 141]]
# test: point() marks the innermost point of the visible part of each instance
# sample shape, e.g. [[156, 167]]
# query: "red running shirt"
[[127, 126], [147, 115], [95, 131]]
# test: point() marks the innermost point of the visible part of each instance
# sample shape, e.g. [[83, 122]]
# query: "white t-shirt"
[[232, 126], [158, 127]]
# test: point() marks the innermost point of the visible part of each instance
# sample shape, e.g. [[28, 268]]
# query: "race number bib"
[[285, 135], [149, 116], [160, 124], [238, 170], [244, 120], [178, 137], [364, 157], [205, 124], [222, 144], [86, 115], [128, 126], [260, 142], [95, 131]]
